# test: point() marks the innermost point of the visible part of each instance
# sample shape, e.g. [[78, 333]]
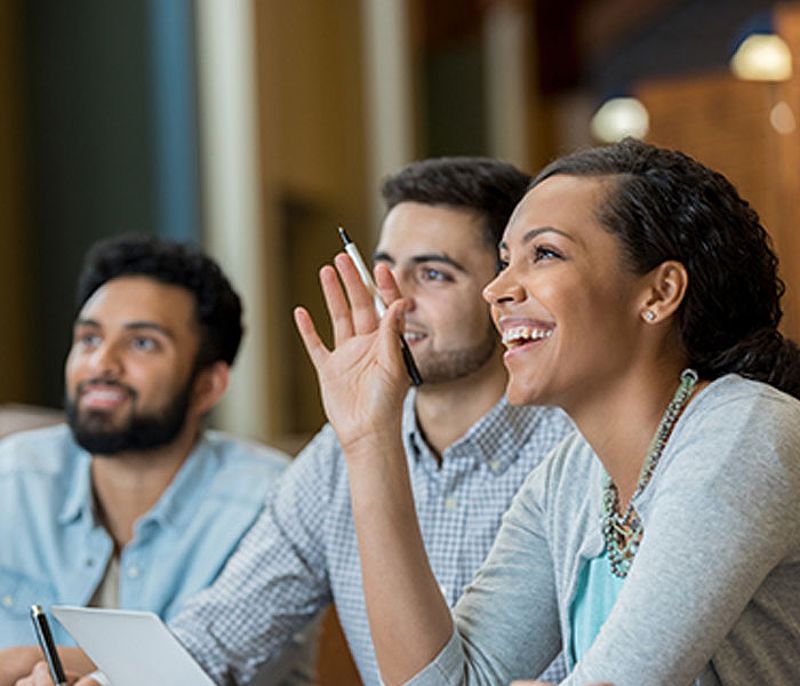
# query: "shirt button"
[[133, 572], [8, 601], [494, 465], [450, 503]]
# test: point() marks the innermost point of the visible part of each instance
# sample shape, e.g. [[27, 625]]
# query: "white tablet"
[[131, 648]]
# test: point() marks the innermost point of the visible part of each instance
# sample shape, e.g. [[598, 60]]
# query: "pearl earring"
[[649, 315]]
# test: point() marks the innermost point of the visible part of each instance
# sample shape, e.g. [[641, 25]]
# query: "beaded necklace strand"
[[623, 532]]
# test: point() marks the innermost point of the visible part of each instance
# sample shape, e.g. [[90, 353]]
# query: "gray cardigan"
[[714, 592]]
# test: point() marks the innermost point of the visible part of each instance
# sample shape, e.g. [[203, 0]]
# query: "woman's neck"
[[620, 423]]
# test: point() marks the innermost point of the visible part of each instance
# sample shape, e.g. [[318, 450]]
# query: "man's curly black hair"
[[218, 307]]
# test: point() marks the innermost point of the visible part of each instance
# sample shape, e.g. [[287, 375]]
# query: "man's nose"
[[406, 286], [106, 359]]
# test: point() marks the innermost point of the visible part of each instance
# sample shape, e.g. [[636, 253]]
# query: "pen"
[[351, 249], [45, 638]]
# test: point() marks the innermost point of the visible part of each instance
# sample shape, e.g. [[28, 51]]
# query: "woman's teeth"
[[519, 335]]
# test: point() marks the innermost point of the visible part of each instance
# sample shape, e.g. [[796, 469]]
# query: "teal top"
[[595, 595]]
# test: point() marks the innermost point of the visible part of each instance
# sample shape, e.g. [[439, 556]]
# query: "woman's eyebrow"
[[533, 233]]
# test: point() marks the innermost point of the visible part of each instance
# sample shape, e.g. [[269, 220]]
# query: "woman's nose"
[[502, 289]]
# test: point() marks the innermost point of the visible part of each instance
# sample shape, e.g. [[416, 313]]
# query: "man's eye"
[[502, 264], [144, 344], [430, 274], [89, 340]]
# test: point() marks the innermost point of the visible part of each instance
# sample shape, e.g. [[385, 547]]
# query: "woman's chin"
[[518, 394]]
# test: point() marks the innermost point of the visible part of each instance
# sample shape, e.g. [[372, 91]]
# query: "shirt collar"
[[187, 486], [495, 438], [79, 498], [171, 506]]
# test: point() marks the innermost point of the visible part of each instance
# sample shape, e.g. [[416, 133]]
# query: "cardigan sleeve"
[[506, 623]]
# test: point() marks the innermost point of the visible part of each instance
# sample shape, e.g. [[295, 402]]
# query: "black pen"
[[45, 638], [351, 249]]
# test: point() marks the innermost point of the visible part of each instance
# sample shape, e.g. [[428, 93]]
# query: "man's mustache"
[[83, 386]]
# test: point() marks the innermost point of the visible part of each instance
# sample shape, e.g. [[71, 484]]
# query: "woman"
[[661, 543]]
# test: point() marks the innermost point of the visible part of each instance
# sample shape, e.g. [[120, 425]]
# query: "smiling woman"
[[656, 546]]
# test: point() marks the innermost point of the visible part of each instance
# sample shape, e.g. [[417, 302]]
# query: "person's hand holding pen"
[[363, 380], [40, 676]]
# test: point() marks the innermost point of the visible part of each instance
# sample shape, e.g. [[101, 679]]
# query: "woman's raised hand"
[[362, 380]]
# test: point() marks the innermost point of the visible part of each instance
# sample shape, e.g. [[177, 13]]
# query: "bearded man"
[[131, 505]]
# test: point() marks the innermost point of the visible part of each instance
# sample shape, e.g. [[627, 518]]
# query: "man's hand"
[[18, 662], [41, 677]]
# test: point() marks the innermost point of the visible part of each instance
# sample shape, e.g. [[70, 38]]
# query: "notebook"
[[131, 648]]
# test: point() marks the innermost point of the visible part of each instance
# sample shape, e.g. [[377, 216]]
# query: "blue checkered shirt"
[[302, 555]]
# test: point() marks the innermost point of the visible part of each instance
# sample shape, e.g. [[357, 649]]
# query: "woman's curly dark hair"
[[218, 307], [663, 205]]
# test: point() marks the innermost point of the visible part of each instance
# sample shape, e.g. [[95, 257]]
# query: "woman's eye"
[[502, 264], [544, 253]]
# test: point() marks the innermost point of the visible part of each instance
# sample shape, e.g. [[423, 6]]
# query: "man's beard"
[[450, 365], [95, 433]]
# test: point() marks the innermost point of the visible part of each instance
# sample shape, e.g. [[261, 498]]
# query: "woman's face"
[[567, 306]]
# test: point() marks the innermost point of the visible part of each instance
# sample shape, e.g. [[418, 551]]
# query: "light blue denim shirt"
[[53, 551]]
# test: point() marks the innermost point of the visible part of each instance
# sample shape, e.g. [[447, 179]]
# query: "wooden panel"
[[336, 667], [313, 160], [787, 22], [15, 286], [725, 123]]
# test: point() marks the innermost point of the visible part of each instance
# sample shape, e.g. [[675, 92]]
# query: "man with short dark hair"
[[132, 504], [468, 449]]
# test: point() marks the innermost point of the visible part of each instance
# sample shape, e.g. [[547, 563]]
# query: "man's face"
[[130, 370], [441, 263]]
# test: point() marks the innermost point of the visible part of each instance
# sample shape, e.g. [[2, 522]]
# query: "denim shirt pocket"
[[19, 591]]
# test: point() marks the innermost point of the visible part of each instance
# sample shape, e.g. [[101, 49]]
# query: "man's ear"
[[665, 288], [210, 385]]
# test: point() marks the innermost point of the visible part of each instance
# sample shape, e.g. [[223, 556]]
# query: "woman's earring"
[[649, 315]]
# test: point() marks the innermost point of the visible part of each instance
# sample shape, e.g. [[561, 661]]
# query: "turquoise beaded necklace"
[[623, 532]]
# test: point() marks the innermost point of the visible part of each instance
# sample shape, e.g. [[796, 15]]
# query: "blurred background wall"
[[255, 127]]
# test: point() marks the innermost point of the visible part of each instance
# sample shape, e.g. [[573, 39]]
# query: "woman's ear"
[[665, 288], [210, 385]]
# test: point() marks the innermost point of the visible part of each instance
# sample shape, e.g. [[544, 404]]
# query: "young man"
[[132, 505], [468, 449]]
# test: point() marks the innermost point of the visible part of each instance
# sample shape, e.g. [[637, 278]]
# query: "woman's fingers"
[[362, 302], [391, 329], [308, 333], [336, 302], [387, 286]]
